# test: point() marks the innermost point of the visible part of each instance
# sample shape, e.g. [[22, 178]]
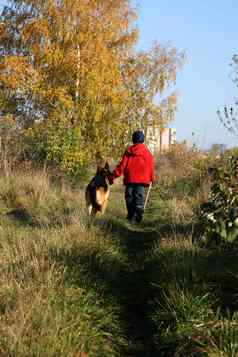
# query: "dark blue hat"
[[138, 137]]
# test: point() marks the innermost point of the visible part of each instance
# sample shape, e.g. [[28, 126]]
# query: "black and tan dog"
[[98, 190]]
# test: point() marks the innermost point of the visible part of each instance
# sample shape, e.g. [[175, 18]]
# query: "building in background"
[[160, 140]]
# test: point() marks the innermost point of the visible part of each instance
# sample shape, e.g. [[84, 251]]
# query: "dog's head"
[[105, 172]]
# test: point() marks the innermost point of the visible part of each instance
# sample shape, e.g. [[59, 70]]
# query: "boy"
[[138, 169]]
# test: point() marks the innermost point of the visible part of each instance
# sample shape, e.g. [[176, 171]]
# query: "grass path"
[[70, 289], [130, 285], [177, 299]]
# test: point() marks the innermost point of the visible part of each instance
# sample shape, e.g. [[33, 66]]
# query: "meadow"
[[75, 85], [71, 287]]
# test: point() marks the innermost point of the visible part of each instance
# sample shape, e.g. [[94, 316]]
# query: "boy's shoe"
[[132, 220], [138, 219], [139, 215], [130, 216]]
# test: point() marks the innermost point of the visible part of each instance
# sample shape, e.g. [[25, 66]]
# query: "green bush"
[[219, 215]]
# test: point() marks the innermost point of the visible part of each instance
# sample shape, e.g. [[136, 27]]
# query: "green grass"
[[69, 287], [195, 297], [49, 303]]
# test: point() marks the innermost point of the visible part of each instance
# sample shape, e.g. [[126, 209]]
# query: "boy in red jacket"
[[138, 169]]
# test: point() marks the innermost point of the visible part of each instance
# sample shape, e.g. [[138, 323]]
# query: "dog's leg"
[[90, 209], [90, 199], [104, 206], [102, 196]]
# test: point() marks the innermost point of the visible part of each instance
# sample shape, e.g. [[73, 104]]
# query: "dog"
[[98, 190]]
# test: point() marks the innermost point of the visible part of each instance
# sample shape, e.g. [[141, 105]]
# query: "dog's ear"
[[106, 166]]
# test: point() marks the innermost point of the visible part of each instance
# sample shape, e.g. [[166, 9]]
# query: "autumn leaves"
[[72, 80]]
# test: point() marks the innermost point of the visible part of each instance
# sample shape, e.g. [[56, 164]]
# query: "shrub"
[[219, 215], [180, 171]]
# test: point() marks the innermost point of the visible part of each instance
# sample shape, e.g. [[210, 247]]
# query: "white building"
[[160, 140]]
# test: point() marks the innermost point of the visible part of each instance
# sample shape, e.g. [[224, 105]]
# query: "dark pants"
[[134, 196]]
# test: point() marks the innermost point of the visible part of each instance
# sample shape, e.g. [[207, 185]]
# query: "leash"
[[147, 195]]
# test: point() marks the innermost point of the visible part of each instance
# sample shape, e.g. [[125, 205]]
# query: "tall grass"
[[70, 287], [48, 305], [193, 308]]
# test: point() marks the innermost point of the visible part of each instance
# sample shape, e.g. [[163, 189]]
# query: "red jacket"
[[136, 165]]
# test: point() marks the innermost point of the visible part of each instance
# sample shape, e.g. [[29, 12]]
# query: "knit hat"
[[138, 137]]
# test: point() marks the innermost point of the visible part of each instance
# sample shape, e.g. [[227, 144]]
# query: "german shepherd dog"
[[97, 191]]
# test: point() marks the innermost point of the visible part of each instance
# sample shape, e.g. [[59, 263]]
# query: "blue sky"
[[206, 30]]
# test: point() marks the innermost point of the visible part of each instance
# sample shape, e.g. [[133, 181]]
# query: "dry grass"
[[180, 211], [47, 307], [72, 288], [194, 305]]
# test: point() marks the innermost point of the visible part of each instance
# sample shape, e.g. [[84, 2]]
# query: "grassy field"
[[72, 288]]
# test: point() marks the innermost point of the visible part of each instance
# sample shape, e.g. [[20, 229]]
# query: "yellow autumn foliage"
[[70, 73]]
